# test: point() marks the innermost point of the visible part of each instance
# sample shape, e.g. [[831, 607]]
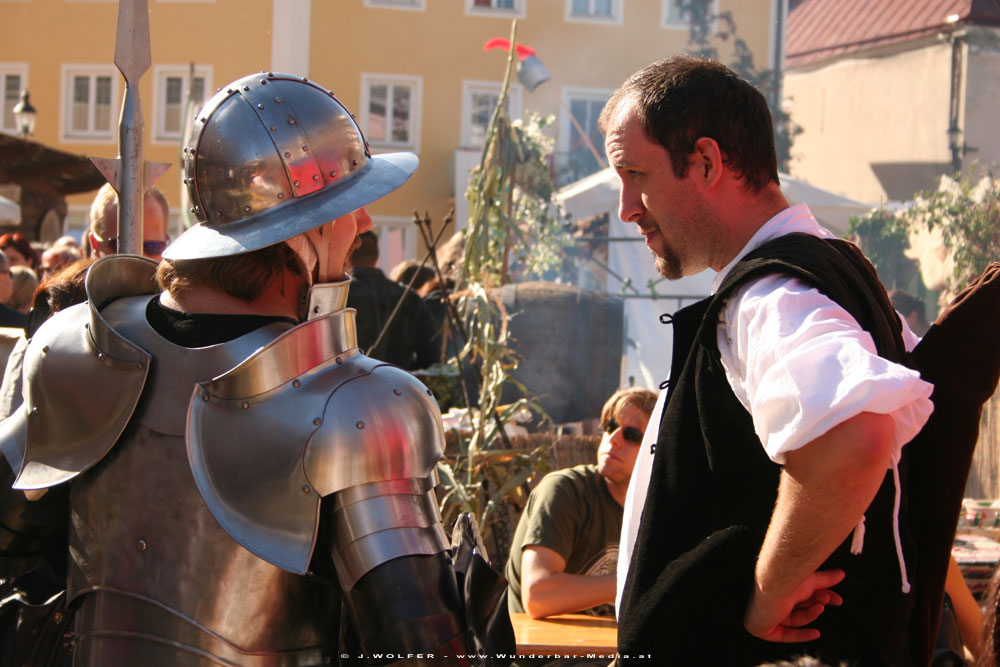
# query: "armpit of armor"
[[64, 427], [336, 420]]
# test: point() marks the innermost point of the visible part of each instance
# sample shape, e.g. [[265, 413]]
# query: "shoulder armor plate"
[[303, 418], [65, 425]]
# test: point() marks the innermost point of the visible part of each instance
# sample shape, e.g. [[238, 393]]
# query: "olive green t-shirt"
[[571, 512]]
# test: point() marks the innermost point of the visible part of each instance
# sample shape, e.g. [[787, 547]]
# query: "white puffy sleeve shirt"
[[801, 364]]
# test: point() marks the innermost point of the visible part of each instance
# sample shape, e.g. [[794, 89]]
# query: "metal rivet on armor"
[[245, 88], [316, 309], [204, 395], [263, 82], [229, 91], [185, 150], [397, 392], [281, 195], [45, 349], [246, 208], [204, 120], [317, 421], [270, 74], [274, 128], [291, 121], [138, 364], [339, 360], [141, 544], [305, 149], [260, 106], [245, 405], [305, 488], [100, 356], [86, 326], [218, 214], [193, 150], [354, 163], [296, 184], [57, 617], [360, 426], [192, 209], [296, 383], [34, 410], [362, 371], [430, 393], [333, 172], [288, 154], [315, 177], [278, 100]]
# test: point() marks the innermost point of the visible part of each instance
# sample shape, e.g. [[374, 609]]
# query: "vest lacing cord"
[[858, 540]]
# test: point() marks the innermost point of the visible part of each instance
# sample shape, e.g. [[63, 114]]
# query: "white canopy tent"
[[647, 341]]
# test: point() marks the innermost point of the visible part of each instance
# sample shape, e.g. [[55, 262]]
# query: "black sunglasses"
[[631, 434], [148, 247]]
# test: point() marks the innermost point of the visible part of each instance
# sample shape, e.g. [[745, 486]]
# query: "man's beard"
[[668, 265]]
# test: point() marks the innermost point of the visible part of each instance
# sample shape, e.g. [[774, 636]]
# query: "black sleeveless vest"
[[713, 488]]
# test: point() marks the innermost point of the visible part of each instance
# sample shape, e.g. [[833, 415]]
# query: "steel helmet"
[[271, 157]]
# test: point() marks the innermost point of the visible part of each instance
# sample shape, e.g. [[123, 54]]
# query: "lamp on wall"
[[24, 115]]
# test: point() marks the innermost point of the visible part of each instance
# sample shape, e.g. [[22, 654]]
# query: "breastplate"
[[158, 581]]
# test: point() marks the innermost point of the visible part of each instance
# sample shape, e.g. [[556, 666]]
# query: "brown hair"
[[683, 98], [640, 397], [20, 243], [243, 276]]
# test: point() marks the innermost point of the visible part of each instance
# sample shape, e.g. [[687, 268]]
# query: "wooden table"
[[565, 634]]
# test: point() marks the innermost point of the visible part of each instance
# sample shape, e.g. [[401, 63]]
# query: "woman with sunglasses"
[[565, 549]]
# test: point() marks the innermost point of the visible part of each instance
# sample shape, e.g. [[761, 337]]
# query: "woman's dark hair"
[[20, 243]]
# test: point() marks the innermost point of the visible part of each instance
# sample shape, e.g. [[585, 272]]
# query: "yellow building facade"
[[414, 71]]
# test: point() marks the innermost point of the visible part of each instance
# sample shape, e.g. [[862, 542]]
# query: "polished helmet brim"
[[380, 176]]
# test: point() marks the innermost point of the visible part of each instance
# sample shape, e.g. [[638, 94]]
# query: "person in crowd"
[[565, 548], [23, 284], [409, 340], [56, 257], [19, 250], [216, 481], [102, 239], [412, 274], [911, 309], [9, 317], [772, 493]]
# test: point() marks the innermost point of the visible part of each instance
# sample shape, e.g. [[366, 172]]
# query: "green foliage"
[[967, 212], [702, 40], [883, 237], [511, 220]]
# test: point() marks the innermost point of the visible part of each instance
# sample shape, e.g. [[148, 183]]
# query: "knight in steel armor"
[[245, 487]]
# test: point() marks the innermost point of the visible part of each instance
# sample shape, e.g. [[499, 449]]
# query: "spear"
[[128, 174]]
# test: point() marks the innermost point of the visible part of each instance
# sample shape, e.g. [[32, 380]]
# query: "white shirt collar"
[[793, 219]]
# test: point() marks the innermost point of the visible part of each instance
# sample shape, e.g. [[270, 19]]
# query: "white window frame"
[[66, 133], [416, 85], [161, 73], [518, 12], [667, 24], [616, 18], [21, 70], [382, 223], [405, 5], [566, 127], [470, 86]]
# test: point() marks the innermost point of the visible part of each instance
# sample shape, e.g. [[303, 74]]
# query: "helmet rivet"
[[192, 209], [397, 392], [305, 149], [360, 425], [315, 177], [317, 421], [288, 154], [263, 82], [297, 184], [281, 195], [45, 349], [270, 74], [185, 150], [193, 151], [246, 88], [246, 208], [245, 405], [229, 91], [100, 356], [291, 121], [305, 488], [354, 163], [218, 214], [430, 393], [274, 128], [34, 410], [339, 360], [204, 120], [333, 172], [141, 544], [277, 100], [260, 106], [296, 383], [204, 395]]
